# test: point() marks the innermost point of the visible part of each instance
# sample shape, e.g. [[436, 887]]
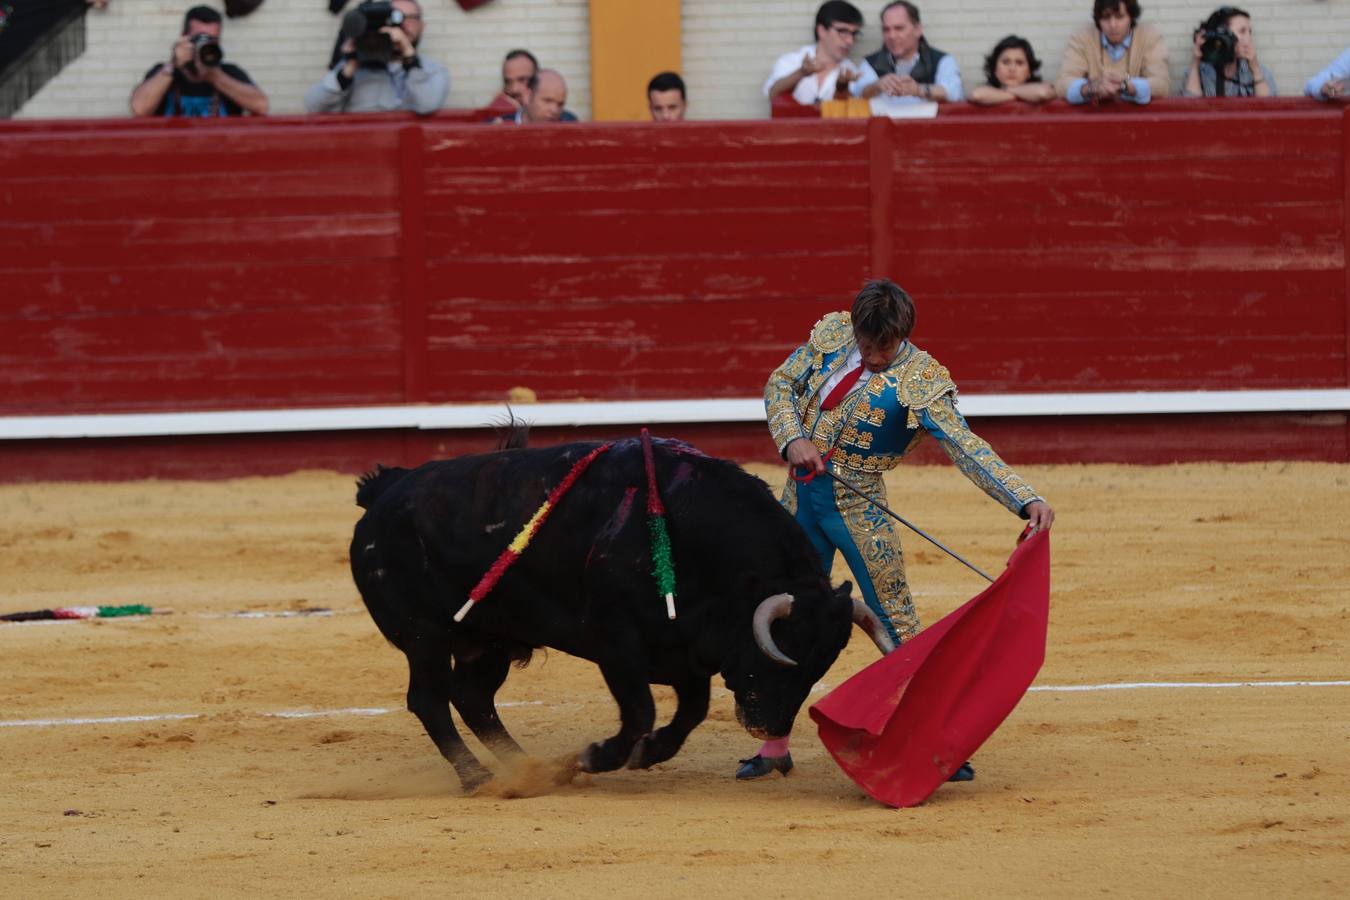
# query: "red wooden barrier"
[[164, 266]]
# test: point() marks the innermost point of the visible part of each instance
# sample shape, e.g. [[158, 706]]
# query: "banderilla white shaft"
[[911, 526]]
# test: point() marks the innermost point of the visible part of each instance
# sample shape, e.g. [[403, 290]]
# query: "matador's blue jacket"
[[878, 424]]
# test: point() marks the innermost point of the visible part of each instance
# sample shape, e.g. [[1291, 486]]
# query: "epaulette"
[[922, 381], [832, 332]]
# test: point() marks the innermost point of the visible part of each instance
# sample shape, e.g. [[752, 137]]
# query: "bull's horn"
[[775, 607], [867, 620]]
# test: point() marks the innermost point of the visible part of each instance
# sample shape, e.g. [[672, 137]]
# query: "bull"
[[753, 604]]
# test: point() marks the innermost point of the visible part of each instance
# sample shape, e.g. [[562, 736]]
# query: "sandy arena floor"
[[1198, 573]]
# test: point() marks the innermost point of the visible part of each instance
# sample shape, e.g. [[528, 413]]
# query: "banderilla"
[[911, 526]]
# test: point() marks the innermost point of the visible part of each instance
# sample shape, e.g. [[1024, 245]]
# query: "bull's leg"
[[473, 691], [429, 689], [664, 743], [637, 714]]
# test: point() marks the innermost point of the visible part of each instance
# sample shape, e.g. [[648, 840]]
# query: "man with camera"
[[197, 81], [1115, 58], [1224, 61], [378, 69]]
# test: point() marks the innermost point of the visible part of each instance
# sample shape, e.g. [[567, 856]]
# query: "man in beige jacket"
[[1115, 59]]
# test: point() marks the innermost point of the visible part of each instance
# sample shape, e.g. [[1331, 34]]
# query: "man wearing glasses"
[[820, 71], [405, 82], [907, 65]]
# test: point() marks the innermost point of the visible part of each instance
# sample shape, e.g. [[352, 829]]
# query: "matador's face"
[[877, 355]]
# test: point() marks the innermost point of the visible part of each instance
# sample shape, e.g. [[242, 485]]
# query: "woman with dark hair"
[[1013, 73], [1225, 54]]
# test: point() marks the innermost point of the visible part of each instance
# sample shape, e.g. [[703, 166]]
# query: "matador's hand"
[[1039, 515], [803, 454]]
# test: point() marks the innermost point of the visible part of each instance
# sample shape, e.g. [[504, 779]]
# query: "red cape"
[[903, 724]]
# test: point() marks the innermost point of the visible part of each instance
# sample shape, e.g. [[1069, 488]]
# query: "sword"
[[911, 526]]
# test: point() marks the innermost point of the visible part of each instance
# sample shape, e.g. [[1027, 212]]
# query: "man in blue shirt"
[[1330, 82], [907, 65], [1115, 58]]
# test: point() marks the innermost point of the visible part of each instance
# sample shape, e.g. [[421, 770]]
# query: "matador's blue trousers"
[[837, 519]]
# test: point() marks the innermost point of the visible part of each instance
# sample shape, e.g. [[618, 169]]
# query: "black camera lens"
[[208, 50], [1219, 47]]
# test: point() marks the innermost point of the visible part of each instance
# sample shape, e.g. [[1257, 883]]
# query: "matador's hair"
[[883, 312]]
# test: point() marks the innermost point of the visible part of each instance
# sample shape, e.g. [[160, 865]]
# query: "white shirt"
[[811, 88]]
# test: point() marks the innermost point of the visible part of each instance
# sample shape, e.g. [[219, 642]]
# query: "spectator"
[[1330, 82], [517, 70], [1224, 52], [1115, 58], [907, 65], [665, 98], [1013, 73], [820, 71], [404, 82], [196, 81], [544, 99]]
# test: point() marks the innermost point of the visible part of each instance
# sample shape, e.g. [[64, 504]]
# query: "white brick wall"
[[285, 45], [728, 45]]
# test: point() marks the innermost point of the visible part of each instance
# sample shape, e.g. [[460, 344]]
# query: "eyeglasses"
[[845, 32]]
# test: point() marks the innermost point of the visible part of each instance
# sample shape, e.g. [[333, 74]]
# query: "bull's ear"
[[844, 590]]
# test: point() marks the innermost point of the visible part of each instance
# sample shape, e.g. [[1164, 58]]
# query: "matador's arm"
[[786, 384], [974, 457]]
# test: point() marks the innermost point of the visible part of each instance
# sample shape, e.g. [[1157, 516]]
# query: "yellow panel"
[[631, 40]]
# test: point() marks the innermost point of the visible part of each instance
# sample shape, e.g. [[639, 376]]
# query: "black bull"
[[752, 602]]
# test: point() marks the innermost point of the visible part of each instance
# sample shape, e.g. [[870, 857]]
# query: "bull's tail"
[[371, 485], [513, 434]]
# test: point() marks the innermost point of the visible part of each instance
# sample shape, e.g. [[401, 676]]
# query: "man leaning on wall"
[[820, 71], [1115, 58], [907, 66], [381, 76]]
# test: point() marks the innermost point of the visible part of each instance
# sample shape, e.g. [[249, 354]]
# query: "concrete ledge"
[[583, 413]]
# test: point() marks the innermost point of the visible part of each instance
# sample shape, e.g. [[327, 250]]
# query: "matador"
[[856, 398]]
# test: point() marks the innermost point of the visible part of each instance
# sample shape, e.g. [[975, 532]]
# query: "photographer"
[[1225, 53], [196, 81], [379, 69]]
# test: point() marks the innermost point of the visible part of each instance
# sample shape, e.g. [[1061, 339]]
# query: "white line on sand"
[[380, 710], [1144, 685]]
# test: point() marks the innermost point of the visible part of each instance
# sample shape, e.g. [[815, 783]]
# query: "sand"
[[1191, 573]]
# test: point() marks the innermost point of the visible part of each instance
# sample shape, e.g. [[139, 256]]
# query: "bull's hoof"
[[596, 758], [647, 752], [469, 784], [605, 756]]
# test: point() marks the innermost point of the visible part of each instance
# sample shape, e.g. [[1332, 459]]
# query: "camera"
[[1219, 46], [362, 26], [207, 49]]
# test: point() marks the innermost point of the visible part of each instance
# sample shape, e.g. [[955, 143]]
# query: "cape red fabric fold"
[[902, 725]]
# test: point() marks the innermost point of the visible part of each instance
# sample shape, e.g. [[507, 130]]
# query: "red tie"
[[836, 396]]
